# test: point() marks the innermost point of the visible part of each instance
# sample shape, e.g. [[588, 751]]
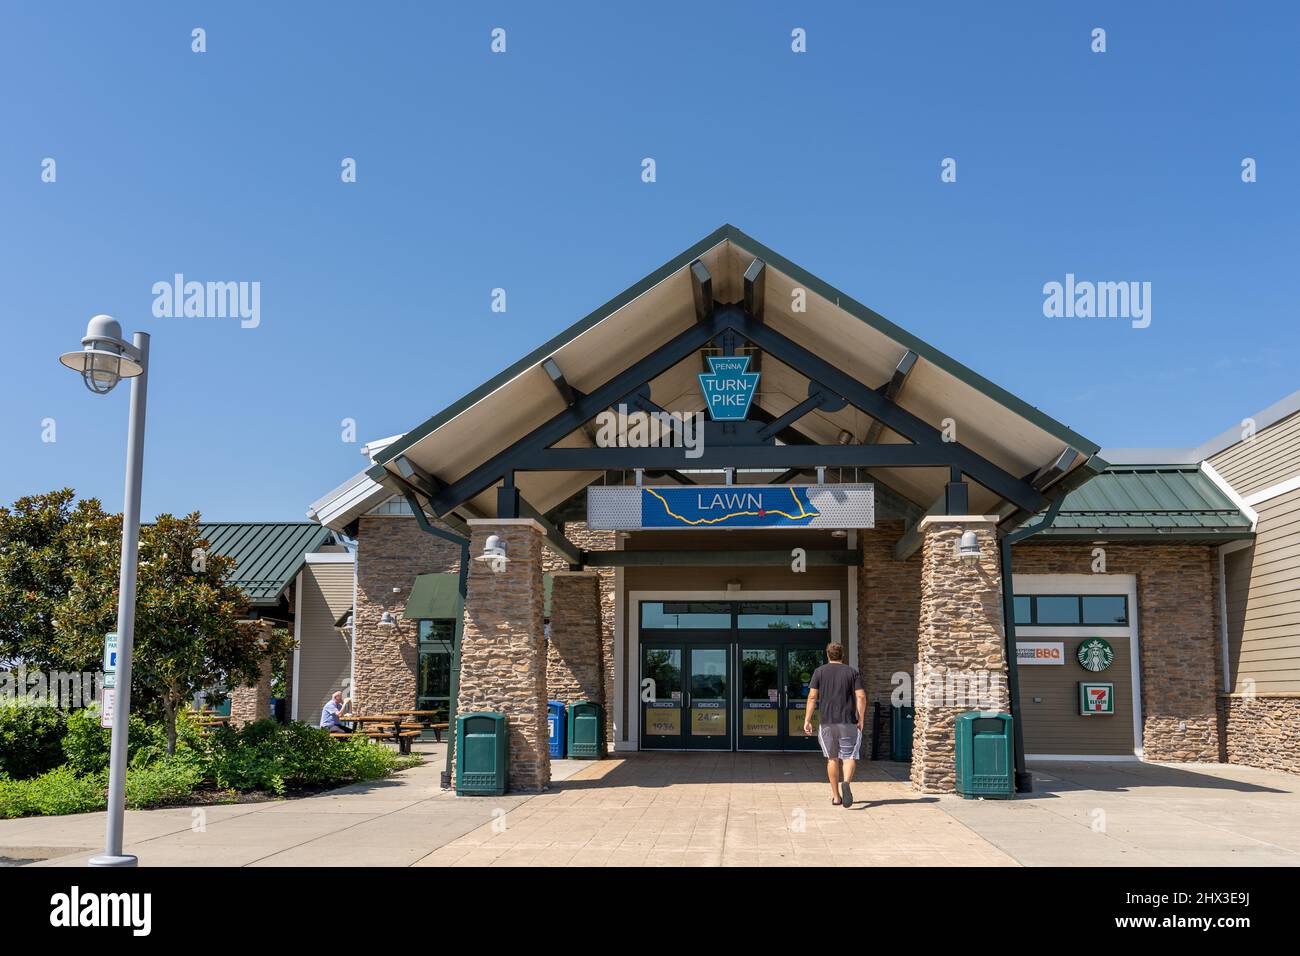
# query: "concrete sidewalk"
[[392, 822], [719, 810]]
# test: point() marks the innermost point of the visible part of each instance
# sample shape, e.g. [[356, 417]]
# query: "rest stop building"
[[691, 595]]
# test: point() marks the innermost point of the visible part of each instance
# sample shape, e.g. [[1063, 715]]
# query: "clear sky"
[[522, 171]]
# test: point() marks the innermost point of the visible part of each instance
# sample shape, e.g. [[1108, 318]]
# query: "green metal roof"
[[267, 554], [728, 232], [1149, 502]]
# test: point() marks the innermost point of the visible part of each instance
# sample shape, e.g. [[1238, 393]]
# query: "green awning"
[[438, 596], [434, 596]]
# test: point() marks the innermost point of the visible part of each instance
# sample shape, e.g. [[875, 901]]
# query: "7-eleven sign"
[[1096, 698]]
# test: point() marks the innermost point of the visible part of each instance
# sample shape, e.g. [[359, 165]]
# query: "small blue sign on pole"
[[110, 659], [728, 387]]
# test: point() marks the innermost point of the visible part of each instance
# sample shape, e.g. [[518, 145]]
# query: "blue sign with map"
[[727, 506], [729, 387]]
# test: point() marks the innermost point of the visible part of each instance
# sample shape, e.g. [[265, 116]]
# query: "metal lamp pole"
[[105, 360]]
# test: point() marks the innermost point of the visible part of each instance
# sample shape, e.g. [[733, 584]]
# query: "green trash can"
[[985, 756], [586, 730], [482, 754], [901, 722]]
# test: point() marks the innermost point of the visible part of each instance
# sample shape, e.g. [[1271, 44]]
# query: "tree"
[[189, 628], [37, 536]]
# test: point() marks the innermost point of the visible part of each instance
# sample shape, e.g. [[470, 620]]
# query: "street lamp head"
[[106, 358]]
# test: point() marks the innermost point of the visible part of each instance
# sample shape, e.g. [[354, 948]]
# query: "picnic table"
[[427, 719], [389, 727], [206, 722]]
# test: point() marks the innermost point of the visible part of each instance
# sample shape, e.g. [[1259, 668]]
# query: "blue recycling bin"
[[556, 727]]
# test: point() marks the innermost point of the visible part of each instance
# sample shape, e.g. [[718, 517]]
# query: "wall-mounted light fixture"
[[494, 554], [387, 619], [969, 549]]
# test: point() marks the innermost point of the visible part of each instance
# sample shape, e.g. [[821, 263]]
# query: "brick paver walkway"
[[726, 809]]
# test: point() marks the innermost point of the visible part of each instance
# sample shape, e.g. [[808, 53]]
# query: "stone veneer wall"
[[1178, 636], [391, 551], [889, 607], [574, 657], [578, 533], [503, 661], [252, 703], [959, 634], [1261, 731]]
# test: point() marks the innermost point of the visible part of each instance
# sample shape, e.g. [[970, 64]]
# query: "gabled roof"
[[267, 555], [1149, 502], [991, 421]]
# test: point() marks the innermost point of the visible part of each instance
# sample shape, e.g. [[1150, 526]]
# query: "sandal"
[[835, 802]]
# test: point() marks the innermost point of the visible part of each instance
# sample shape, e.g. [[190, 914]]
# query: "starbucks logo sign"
[[1095, 654]]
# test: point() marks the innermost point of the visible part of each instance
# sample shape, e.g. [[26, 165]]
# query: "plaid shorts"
[[840, 741]]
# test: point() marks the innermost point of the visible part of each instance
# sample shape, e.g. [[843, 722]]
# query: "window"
[[785, 615], [1072, 610], [1056, 609], [433, 673], [1024, 609], [395, 505], [679, 615], [1105, 609], [723, 615]]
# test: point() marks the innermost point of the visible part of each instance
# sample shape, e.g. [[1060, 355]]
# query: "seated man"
[[329, 715]]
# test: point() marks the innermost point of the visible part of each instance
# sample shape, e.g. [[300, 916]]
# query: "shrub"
[[86, 744], [30, 740], [262, 756], [165, 781], [265, 755], [57, 792]]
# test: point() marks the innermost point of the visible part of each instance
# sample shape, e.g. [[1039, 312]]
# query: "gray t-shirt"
[[835, 685]]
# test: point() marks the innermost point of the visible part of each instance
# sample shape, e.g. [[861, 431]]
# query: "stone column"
[[574, 655], [502, 660], [961, 656], [248, 704]]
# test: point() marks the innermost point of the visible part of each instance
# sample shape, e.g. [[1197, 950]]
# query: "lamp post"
[[105, 359]]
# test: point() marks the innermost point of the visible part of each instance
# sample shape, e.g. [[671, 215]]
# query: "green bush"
[[54, 793], [30, 740], [168, 780], [262, 756], [86, 744], [265, 755]]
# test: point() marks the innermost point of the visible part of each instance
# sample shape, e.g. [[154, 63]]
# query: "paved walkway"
[[719, 809]]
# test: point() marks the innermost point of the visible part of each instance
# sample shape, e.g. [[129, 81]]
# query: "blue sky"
[[522, 171]]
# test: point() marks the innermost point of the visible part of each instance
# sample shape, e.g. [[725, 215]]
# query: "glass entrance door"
[[708, 698], [662, 697], [774, 678], [685, 696], [798, 666], [760, 698], [718, 675]]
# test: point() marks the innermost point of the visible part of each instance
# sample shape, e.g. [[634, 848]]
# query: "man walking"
[[836, 690]]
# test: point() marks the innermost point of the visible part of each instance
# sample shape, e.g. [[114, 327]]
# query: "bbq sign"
[[1096, 699], [728, 387]]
